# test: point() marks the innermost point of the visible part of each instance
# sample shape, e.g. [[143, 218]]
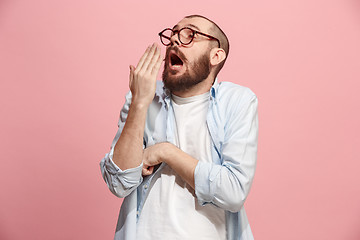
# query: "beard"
[[194, 74]]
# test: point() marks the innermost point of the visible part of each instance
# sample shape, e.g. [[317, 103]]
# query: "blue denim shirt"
[[233, 125]]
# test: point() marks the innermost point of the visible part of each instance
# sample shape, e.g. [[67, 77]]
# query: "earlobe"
[[217, 55]]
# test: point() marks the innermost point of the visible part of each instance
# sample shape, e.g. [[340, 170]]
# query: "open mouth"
[[175, 60]]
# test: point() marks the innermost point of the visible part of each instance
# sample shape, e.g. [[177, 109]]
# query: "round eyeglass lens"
[[186, 35], [166, 36]]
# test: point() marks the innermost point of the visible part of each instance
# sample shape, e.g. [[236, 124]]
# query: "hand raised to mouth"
[[142, 80]]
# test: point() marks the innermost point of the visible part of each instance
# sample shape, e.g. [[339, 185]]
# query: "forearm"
[[128, 149], [182, 163]]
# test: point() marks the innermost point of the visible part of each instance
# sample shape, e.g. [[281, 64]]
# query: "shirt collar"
[[214, 88]]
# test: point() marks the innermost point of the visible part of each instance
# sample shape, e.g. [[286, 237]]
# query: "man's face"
[[187, 65]]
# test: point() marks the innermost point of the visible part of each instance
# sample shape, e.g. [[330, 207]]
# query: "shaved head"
[[216, 31]]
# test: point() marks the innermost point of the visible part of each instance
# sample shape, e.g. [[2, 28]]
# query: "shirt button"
[[145, 186], [137, 213]]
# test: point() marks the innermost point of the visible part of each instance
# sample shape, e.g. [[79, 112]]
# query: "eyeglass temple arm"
[[206, 35]]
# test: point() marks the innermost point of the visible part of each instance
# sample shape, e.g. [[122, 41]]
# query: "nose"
[[175, 40]]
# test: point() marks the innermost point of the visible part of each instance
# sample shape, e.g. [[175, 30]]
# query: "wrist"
[[166, 152], [139, 105], [141, 99]]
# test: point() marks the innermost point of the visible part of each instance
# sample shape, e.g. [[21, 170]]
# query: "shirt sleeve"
[[227, 185], [120, 182]]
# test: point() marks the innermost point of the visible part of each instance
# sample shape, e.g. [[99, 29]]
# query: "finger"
[[154, 59], [147, 171], [131, 75], [148, 58], [156, 68], [142, 59], [144, 169]]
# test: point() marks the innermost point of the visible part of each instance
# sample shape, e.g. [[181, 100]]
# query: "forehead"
[[196, 23]]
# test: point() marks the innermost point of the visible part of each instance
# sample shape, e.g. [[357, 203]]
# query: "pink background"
[[64, 72]]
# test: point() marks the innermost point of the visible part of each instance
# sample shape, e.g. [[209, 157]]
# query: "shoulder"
[[231, 93], [235, 105]]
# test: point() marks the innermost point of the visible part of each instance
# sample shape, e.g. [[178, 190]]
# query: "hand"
[[142, 80], [181, 162], [152, 156]]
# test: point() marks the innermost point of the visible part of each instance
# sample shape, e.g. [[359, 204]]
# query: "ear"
[[217, 55]]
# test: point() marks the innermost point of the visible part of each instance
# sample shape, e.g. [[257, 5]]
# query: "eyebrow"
[[189, 25]]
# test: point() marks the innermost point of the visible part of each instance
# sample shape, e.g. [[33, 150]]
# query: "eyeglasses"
[[185, 35]]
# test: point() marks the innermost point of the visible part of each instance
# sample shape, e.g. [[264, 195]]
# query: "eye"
[[187, 33], [190, 34]]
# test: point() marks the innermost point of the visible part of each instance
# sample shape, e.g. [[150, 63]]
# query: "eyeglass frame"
[[178, 32]]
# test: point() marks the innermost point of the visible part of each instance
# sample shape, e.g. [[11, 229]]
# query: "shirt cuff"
[[128, 177], [205, 174]]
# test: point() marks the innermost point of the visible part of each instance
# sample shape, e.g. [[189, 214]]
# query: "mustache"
[[177, 51]]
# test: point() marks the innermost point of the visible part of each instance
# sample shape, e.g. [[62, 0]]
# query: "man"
[[185, 153]]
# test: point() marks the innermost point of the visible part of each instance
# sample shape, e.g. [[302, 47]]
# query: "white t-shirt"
[[171, 210]]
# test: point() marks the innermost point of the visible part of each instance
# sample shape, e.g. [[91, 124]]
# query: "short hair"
[[219, 34]]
